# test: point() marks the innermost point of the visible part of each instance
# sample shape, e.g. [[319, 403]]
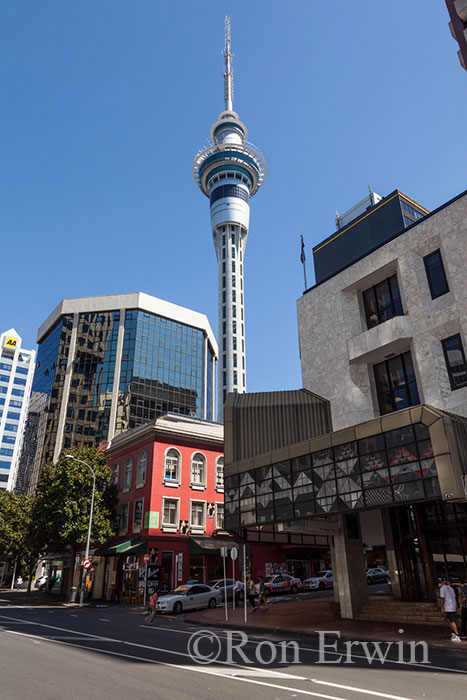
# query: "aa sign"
[[10, 343]]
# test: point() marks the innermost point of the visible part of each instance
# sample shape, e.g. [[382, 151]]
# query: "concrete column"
[[393, 567], [350, 586]]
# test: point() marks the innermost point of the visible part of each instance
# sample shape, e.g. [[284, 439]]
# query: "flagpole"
[[302, 258]]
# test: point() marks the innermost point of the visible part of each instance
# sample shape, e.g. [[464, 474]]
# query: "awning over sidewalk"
[[134, 545], [209, 545]]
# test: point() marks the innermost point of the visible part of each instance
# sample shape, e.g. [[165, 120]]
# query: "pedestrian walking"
[[449, 608], [262, 594], [463, 604], [238, 590], [151, 612], [251, 594], [19, 583]]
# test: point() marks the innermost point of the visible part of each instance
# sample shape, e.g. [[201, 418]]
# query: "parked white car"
[[189, 598], [323, 579]]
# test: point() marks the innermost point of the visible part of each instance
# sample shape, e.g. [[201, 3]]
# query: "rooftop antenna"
[[337, 220], [372, 198], [228, 72]]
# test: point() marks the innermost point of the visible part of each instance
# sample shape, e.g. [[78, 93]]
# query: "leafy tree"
[[20, 540], [63, 500]]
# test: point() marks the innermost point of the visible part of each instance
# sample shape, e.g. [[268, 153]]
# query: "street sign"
[[233, 553], [152, 578], [146, 558], [224, 552], [86, 564]]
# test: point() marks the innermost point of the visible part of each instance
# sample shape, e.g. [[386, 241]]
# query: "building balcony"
[[374, 345], [461, 9]]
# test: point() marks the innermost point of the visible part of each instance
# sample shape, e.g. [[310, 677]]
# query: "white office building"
[[16, 373]]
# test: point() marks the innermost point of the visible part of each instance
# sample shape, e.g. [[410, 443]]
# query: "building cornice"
[[135, 300], [173, 426]]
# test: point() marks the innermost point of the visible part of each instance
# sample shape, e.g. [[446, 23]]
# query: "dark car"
[[377, 575]]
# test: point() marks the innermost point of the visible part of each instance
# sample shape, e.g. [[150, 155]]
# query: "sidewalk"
[[305, 618]]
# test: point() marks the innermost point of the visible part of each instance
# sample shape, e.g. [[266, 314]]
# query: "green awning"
[[132, 546], [209, 545]]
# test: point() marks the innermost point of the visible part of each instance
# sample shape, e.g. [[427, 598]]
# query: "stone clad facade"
[[337, 350]]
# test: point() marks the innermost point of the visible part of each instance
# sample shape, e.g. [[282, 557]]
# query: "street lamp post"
[[86, 556]]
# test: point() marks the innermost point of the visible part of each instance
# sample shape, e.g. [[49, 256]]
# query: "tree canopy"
[[16, 536], [63, 499]]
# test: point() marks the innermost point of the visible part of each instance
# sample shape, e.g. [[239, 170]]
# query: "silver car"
[[228, 585], [188, 598]]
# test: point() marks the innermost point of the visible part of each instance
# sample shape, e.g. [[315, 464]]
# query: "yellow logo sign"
[[10, 343]]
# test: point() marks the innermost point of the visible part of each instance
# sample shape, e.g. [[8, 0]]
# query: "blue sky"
[[106, 103]]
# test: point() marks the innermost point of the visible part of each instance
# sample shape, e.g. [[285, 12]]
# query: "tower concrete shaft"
[[229, 171]]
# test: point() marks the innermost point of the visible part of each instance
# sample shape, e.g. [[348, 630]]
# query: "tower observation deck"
[[229, 171]]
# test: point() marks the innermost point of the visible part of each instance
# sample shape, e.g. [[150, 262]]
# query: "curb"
[[303, 635]]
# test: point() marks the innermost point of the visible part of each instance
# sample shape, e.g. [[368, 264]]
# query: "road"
[[54, 653]]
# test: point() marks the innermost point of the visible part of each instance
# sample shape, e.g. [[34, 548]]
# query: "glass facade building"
[[16, 371], [103, 370]]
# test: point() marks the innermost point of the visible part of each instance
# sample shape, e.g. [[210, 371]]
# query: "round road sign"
[[146, 558], [233, 553], [86, 563]]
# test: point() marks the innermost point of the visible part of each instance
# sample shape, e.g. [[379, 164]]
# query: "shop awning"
[[133, 545], [209, 545]]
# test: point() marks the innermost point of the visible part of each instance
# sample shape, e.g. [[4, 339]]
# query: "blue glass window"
[[22, 370], [6, 452], [4, 378], [11, 427], [4, 366], [3, 389], [12, 415], [16, 392], [7, 440], [15, 404]]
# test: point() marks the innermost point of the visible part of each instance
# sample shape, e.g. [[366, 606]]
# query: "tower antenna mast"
[[228, 72]]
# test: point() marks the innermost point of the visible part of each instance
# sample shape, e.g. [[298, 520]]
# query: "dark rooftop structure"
[[371, 229]]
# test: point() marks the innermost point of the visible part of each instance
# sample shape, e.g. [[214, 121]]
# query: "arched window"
[[198, 471], [172, 467], [142, 464], [219, 475], [115, 474], [127, 473]]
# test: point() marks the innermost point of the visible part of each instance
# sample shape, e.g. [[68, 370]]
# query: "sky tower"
[[229, 171]]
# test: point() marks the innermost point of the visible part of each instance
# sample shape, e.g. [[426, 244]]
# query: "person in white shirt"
[[449, 608]]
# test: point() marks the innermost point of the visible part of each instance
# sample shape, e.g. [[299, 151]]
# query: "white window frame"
[[141, 482], [197, 529], [217, 527], [123, 530], [219, 489], [127, 487], [137, 527], [198, 485], [170, 527], [172, 482], [115, 478]]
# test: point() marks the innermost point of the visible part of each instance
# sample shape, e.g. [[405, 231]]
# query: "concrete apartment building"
[[397, 316], [382, 336]]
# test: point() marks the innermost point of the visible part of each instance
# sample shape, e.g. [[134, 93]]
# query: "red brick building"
[[170, 478]]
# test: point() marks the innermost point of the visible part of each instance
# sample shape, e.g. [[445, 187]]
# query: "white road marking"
[[103, 619], [222, 634], [195, 669], [73, 615]]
